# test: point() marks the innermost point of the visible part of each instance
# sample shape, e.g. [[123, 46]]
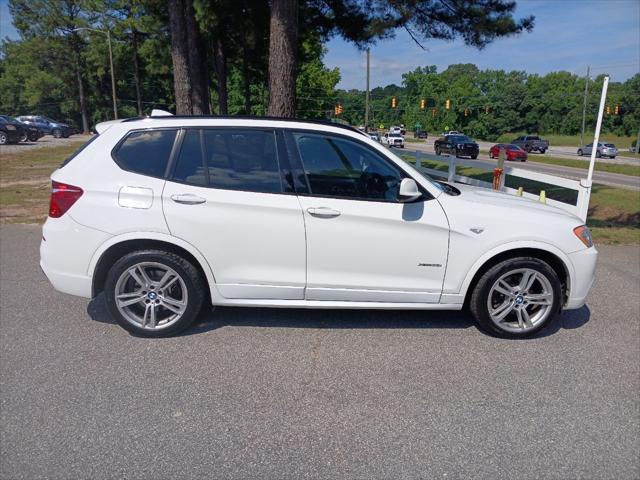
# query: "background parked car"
[[531, 143], [374, 136], [30, 133], [513, 152], [420, 134], [604, 150], [10, 131], [48, 126], [458, 145]]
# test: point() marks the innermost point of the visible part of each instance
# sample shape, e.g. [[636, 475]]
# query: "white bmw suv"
[[166, 214]]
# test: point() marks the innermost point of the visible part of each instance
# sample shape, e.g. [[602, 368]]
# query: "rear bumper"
[[66, 250], [584, 267]]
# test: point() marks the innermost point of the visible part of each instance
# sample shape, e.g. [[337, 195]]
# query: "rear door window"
[[231, 159], [146, 152]]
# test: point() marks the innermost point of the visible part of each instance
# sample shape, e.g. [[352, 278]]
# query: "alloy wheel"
[[151, 295], [520, 300]]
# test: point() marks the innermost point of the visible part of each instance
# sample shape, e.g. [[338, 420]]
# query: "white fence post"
[[452, 169], [418, 159]]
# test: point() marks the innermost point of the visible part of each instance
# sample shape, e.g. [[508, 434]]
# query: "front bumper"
[[584, 268]]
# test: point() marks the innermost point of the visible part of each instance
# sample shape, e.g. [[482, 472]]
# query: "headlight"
[[583, 233]]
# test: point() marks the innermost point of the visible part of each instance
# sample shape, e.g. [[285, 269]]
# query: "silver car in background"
[[604, 150]]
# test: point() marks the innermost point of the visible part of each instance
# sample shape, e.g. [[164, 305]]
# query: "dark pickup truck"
[[531, 143]]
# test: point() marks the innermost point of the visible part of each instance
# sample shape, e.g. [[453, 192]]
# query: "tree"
[[283, 54], [478, 22]]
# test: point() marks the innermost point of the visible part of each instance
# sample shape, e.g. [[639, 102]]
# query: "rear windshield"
[[77, 152], [611, 145]]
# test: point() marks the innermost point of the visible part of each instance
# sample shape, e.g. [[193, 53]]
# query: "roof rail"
[[245, 117]]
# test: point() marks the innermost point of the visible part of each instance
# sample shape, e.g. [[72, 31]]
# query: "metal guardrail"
[[583, 190]]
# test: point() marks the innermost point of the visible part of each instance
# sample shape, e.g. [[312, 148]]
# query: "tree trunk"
[[246, 79], [197, 69], [136, 72], [81, 97], [220, 61], [283, 50], [180, 58]]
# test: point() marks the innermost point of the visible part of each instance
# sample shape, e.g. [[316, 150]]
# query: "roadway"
[[291, 393], [605, 178]]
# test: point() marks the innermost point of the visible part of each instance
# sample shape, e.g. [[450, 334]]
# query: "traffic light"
[[466, 112], [394, 104], [608, 110], [422, 103], [447, 104], [617, 110], [338, 109]]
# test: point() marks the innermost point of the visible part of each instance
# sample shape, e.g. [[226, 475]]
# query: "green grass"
[[632, 170], [614, 213], [622, 142]]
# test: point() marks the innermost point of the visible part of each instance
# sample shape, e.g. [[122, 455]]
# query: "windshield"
[[514, 147], [395, 135], [459, 139]]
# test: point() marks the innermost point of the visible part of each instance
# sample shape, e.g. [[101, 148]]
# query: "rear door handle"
[[323, 212], [188, 199]]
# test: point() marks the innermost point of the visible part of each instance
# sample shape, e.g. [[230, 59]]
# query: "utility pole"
[[113, 78], [584, 106], [366, 100]]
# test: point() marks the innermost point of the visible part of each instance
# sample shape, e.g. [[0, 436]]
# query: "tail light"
[[63, 196]]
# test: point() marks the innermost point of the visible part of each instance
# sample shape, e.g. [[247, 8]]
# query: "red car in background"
[[514, 152]]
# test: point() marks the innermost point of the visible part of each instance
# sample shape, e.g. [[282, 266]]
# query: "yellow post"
[[543, 196], [520, 191]]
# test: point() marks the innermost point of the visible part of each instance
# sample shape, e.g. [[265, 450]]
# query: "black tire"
[[24, 137], [480, 294], [598, 154], [437, 151], [474, 157], [189, 274], [57, 133], [543, 151], [580, 152], [3, 138], [33, 137], [401, 146]]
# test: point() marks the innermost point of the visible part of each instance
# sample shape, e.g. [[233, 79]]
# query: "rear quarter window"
[[146, 152]]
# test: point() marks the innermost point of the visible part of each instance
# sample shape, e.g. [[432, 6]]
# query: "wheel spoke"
[[146, 313], [130, 301], [143, 274], [134, 274], [167, 280], [504, 288], [526, 317], [176, 306], [502, 311], [152, 322], [539, 298], [528, 277], [520, 317]]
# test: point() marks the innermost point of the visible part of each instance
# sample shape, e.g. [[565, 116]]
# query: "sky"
[[569, 35]]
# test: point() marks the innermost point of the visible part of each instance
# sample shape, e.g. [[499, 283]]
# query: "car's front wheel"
[[517, 297], [57, 133], [3, 138], [580, 152], [154, 293]]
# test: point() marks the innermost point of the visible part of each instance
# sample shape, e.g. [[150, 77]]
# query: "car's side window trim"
[[291, 144]]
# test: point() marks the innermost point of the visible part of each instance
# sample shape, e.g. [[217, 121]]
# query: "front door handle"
[[188, 199], [323, 212]]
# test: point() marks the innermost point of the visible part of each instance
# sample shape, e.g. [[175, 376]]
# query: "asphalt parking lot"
[[275, 393]]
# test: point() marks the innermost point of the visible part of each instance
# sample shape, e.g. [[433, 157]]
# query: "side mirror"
[[408, 190]]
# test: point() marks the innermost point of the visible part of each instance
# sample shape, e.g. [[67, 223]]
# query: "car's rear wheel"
[[3, 138], [580, 152], [57, 133], [437, 151], [517, 297], [24, 137], [154, 293]]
